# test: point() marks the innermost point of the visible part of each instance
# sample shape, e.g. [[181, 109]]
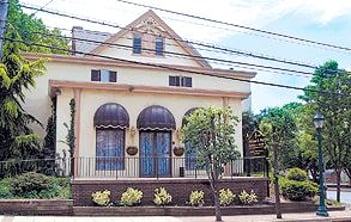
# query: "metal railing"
[[55, 167], [161, 167]]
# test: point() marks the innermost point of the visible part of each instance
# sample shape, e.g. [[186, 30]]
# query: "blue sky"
[[320, 20]]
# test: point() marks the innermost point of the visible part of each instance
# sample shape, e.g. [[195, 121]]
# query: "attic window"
[[181, 81], [159, 46], [103, 75], [137, 44]]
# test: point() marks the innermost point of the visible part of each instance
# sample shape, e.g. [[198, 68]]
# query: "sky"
[[320, 20]]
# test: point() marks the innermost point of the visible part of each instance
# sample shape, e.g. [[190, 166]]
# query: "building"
[[129, 109]]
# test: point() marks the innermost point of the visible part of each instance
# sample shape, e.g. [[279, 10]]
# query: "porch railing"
[[162, 167]]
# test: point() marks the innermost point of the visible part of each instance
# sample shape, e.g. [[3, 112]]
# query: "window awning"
[[111, 115], [156, 118]]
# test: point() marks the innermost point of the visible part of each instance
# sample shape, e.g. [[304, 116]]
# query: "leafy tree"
[[210, 133], [17, 75], [336, 108], [32, 29]]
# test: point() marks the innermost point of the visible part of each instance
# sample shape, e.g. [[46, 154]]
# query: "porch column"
[[227, 168], [76, 95]]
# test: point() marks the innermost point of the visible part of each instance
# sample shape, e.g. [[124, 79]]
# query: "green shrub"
[[29, 185], [247, 198], [226, 197], [297, 190], [162, 197], [131, 197], [101, 198], [296, 174], [196, 198], [5, 189]]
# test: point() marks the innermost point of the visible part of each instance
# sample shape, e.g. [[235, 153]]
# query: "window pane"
[[105, 76], [159, 46], [137, 45], [109, 149], [95, 75], [187, 81], [113, 76]]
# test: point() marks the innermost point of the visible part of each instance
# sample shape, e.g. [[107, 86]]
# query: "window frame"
[[137, 51], [159, 40]]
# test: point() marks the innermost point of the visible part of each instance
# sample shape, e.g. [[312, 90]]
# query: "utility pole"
[[276, 178], [3, 17]]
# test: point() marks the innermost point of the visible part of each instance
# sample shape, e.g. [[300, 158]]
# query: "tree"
[[336, 108], [17, 75], [210, 133], [249, 125], [32, 29]]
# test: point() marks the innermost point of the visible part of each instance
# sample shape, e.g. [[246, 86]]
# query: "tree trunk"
[[338, 180], [213, 184]]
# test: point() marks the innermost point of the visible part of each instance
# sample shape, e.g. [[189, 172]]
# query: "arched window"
[[110, 121]]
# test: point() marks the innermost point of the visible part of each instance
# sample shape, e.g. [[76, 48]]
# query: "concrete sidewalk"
[[334, 216]]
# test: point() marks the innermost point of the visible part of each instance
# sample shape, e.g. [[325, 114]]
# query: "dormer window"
[[137, 44], [158, 46]]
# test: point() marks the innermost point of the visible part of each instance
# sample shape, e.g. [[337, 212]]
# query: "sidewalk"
[[334, 216]]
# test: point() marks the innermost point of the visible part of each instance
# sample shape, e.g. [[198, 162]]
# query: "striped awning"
[[156, 118], [111, 115]]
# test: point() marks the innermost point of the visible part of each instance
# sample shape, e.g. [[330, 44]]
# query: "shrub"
[[101, 198], [226, 197], [29, 185], [247, 198], [161, 196], [5, 188], [296, 174], [196, 198], [131, 197], [298, 190]]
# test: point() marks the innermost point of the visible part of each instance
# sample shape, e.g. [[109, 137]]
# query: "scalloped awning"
[[156, 118], [111, 115]]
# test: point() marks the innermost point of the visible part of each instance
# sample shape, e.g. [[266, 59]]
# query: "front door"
[[155, 154]]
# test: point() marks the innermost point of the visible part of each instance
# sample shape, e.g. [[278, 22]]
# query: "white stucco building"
[[136, 100]]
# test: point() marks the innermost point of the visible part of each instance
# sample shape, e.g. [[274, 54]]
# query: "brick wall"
[[178, 188]]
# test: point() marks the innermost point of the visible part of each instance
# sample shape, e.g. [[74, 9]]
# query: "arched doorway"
[[110, 121], [155, 124]]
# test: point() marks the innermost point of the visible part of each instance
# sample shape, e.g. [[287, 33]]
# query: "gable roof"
[[170, 33]]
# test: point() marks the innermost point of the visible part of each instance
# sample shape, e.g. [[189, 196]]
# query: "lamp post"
[[318, 121]]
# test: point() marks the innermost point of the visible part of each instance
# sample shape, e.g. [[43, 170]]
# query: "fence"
[[57, 167], [162, 167], [131, 167]]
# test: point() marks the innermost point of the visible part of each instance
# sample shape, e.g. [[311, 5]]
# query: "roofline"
[[172, 34], [56, 85], [71, 59]]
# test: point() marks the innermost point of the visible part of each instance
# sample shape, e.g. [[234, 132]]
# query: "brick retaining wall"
[[178, 188]]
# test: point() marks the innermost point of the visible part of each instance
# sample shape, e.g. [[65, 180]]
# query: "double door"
[[155, 155]]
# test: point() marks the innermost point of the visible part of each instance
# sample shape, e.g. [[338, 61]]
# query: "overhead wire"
[[281, 35], [177, 69]]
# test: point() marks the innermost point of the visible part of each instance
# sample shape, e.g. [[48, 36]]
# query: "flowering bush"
[[196, 198], [131, 197], [247, 198], [226, 197], [101, 198], [162, 196]]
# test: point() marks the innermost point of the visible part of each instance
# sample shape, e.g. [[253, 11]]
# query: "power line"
[[181, 54], [174, 38], [299, 39], [42, 7], [184, 70]]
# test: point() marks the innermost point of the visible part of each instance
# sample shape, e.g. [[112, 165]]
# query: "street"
[[345, 196]]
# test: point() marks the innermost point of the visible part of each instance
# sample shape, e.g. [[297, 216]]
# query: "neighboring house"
[[129, 115]]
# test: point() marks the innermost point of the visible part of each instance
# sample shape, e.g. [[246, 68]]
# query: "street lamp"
[[318, 121]]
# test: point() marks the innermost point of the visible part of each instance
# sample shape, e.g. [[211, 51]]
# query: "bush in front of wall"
[[297, 174], [226, 197], [196, 198], [101, 198], [246, 198], [297, 190], [29, 185], [162, 196], [131, 197]]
